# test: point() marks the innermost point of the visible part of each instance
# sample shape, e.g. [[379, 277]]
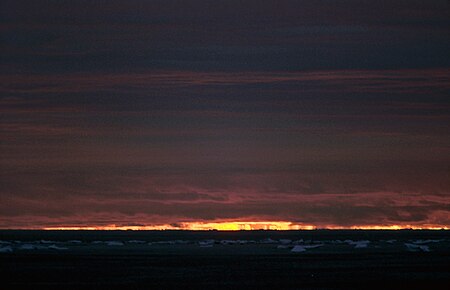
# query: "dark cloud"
[[57, 36]]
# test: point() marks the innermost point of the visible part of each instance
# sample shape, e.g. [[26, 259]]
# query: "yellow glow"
[[246, 225], [200, 226], [238, 226]]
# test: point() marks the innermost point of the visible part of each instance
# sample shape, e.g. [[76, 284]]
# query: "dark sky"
[[326, 113]]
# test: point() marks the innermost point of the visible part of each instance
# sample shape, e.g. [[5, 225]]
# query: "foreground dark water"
[[225, 260]]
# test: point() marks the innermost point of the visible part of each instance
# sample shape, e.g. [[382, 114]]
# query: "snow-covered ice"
[[285, 241], [47, 242], [206, 243], [298, 242], [427, 241], [303, 248], [114, 243], [298, 249], [136, 242], [228, 242], [337, 242], [358, 244], [75, 242], [55, 247], [312, 246], [27, 247], [267, 241], [7, 249], [415, 248]]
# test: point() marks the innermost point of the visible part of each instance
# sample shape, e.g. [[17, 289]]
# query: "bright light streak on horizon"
[[247, 225]]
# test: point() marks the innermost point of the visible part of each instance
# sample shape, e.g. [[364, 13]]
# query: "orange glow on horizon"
[[247, 225]]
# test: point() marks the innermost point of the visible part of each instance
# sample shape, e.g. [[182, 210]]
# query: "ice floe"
[[75, 242], [7, 249], [358, 244], [181, 242], [227, 242], [303, 248], [415, 248], [114, 243], [136, 242], [267, 241], [206, 243], [337, 242], [285, 241], [312, 246], [27, 247], [55, 247], [427, 241], [298, 249], [47, 242], [164, 243]]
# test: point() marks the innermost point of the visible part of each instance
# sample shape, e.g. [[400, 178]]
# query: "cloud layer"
[[161, 112]]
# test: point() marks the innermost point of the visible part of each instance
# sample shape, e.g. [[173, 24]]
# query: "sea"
[[263, 259]]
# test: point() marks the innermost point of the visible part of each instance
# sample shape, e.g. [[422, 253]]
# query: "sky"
[[167, 112]]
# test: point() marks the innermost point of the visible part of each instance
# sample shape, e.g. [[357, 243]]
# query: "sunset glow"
[[290, 116], [240, 226]]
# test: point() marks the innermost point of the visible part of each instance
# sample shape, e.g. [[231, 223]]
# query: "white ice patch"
[[312, 246], [206, 243], [6, 249], [361, 245], [337, 242], [27, 247], [114, 243], [136, 242], [358, 244], [285, 241], [181, 242], [47, 242], [74, 242], [268, 241], [164, 243], [227, 242], [415, 248], [55, 247], [421, 242], [298, 249], [298, 242]]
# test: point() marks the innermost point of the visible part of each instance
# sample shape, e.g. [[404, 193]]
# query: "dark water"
[[225, 260]]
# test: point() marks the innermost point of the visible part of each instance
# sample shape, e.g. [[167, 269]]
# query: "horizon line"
[[232, 226]]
